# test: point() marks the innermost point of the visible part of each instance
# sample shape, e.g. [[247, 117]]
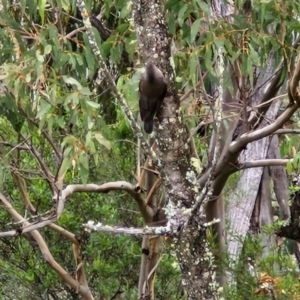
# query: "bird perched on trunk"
[[152, 89]]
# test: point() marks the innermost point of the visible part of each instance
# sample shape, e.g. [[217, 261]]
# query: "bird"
[[152, 91]]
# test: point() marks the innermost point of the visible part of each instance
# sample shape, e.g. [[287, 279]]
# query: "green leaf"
[[28, 77], [122, 28], [181, 13], [32, 8], [15, 119], [53, 34], [120, 83], [73, 98], [204, 7], [47, 49], [289, 168], [86, 91], [65, 4], [23, 6], [254, 56], [88, 138], [172, 24], [61, 59], [72, 81], [116, 52], [42, 5], [69, 140], [93, 104], [84, 172], [105, 48], [125, 11], [91, 147], [195, 29], [84, 160], [39, 57], [96, 158], [102, 140], [208, 60], [59, 120], [65, 166], [68, 151], [50, 123], [44, 107]]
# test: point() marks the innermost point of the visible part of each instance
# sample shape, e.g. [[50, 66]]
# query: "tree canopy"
[[92, 206]]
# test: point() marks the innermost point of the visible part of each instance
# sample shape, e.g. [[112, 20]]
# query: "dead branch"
[[163, 230]]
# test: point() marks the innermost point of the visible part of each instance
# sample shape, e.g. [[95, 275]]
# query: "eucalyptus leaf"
[[101, 140]]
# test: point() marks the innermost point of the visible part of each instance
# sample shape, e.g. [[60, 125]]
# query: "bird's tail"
[[148, 127]]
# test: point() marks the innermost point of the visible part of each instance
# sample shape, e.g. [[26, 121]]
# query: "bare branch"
[[146, 210], [48, 174], [247, 138], [65, 233], [14, 146], [72, 33], [264, 163], [287, 131], [269, 101], [163, 230]]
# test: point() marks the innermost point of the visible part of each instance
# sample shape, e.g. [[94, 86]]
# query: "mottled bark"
[[174, 156]]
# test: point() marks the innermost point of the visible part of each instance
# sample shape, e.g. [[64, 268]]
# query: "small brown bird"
[[153, 89]]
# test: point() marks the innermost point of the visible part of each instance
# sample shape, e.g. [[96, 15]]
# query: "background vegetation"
[[53, 102]]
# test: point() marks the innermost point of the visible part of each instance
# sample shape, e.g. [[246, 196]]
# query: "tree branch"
[[287, 131], [264, 163], [163, 230], [146, 210], [82, 289], [247, 138]]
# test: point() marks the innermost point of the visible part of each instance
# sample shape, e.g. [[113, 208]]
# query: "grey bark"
[[279, 177], [242, 200]]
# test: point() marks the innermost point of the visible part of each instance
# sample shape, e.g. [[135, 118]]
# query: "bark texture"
[[175, 160]]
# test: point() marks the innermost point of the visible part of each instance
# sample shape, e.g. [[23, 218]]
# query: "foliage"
[[256, 277], [49, 74], [52, 101]]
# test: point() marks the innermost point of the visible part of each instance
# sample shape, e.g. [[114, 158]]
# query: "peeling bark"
[[243, 199]]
